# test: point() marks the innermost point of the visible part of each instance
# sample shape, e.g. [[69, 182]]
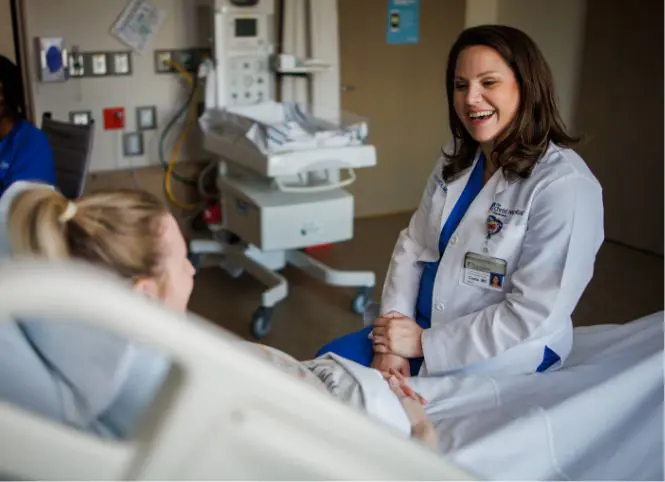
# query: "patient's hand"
[[421, 427], [384, 362]]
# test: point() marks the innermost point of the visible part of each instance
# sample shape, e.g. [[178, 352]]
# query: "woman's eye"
[[489, 83], [460, 86]]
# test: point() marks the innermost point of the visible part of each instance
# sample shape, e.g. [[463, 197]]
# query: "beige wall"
[[86, 24], [620, 110], [6, 31], [558, 29], [481, 12], [400, 89]]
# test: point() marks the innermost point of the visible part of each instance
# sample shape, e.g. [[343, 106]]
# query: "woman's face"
[[178, 270], [175, 286], [486, 93]]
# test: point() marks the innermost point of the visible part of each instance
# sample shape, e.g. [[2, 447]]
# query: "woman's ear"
[[148, 287]]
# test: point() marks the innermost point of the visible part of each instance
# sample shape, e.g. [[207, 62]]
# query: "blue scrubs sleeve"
[[25, 155]]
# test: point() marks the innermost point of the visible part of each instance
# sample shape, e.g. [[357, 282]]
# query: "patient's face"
[[176, 286]]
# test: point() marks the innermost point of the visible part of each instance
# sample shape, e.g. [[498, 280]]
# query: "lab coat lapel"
[[480, 206], [501, 182], [454, 191]]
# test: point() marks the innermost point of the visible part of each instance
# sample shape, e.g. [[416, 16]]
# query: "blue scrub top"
[[25, 155], [426, 290]]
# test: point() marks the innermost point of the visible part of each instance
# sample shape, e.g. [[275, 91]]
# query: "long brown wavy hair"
[[537, 122]]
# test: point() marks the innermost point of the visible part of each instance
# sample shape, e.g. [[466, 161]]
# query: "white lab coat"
[[552, 231]]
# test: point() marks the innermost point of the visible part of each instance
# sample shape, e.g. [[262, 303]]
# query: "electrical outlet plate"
[[146, 118], [120, 63], [99, 65], [80, 117], [190, 59], [161, 59], [76, 65], [132, 144]]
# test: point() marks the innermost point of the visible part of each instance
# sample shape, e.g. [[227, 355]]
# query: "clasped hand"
[[396, 334]]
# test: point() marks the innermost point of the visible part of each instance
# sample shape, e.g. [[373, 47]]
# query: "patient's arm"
[[384, 362], [421, 427]]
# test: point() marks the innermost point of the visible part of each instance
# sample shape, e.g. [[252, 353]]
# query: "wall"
[[620, 111], [558, 29], [481, 12], [6, 31], [400, 89], [86, 24]]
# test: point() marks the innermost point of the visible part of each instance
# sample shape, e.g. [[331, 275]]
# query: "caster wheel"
[[361, 301], [261, 322]]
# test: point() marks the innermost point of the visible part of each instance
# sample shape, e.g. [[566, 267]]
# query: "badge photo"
[[484, 272]]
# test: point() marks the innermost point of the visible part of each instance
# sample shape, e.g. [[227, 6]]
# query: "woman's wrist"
[[421, 350]]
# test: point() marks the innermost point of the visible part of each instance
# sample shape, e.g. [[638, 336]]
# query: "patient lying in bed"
[[361, 388], [101, 383]]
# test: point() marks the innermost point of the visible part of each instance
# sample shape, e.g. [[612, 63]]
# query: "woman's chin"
[[483, 136]]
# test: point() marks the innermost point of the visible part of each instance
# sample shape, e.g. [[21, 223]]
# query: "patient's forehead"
[[171, 236]]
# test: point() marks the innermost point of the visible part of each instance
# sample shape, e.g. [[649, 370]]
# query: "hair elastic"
[[69, 213]]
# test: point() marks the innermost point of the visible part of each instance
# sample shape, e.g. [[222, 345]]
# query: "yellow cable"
[[191, 119]]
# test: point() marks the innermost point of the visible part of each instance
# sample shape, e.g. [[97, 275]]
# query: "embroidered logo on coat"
[[497, 210], [494, 225]]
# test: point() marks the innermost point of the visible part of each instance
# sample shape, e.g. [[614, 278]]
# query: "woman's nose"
[[472, 95]]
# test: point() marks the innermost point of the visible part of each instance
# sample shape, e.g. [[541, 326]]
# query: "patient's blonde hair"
[[119, 230]]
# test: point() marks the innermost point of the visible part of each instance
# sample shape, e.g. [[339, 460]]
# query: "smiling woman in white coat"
[[493, 262]]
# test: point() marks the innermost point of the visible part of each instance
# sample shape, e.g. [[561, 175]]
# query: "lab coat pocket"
[[507, 244]]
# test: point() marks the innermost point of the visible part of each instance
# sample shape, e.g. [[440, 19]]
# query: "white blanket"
[[275, 127], [599, 417]]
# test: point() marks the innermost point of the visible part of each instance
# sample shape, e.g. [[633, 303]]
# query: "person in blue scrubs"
[[25, 153]]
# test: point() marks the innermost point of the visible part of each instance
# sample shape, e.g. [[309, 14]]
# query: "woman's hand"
[[421, 427], [397, 334], [387, 362]]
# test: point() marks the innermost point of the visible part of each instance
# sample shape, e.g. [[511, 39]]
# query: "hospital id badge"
[[484, 271]]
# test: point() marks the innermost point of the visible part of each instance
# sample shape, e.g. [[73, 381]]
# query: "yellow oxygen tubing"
[[189, 122]]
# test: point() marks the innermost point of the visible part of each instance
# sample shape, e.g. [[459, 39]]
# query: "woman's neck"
[[490, 165]]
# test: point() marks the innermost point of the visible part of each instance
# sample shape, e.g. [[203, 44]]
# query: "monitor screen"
[[245, 27]]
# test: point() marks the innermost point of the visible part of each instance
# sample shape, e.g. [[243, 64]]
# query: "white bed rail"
[[222, 414]]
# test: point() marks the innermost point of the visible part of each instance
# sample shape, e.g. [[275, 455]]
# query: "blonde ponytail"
[[119, 230], [35, 226]]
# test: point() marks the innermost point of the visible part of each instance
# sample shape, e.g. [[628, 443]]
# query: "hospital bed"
[[222, 413], [225, 414], [600, 417], [286, 151]]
